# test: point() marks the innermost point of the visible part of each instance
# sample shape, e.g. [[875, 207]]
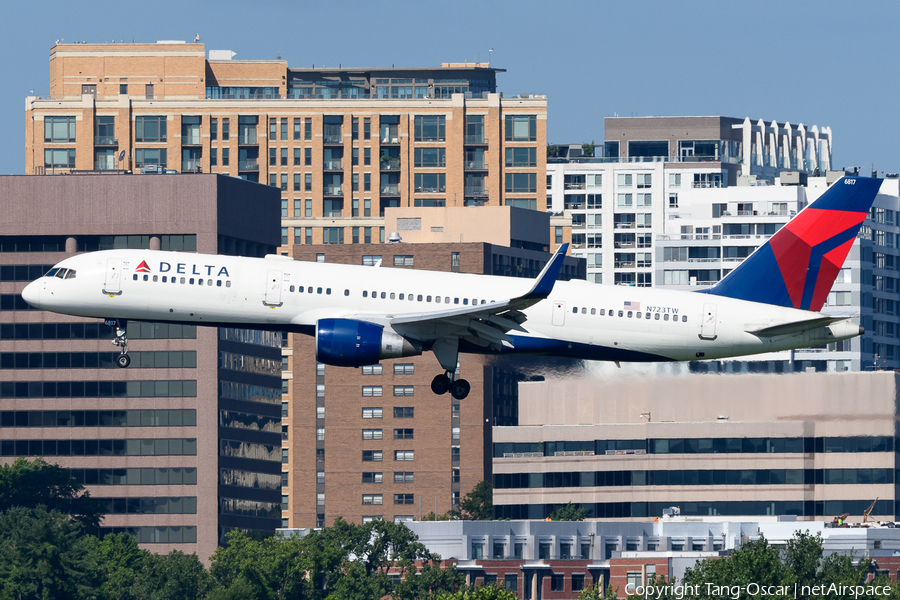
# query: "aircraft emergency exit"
[[360, 314]]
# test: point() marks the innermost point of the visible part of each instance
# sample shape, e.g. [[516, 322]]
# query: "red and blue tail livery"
[[798, 265]]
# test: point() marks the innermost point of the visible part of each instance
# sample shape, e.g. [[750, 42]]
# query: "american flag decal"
[[633, 305]]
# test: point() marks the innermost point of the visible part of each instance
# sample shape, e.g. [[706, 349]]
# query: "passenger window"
[[593, 311], [300, 289], [392, 295], [465, 301], [612, 313], [638, 315], [155, 278], [209, 282], [437, 299], [146, 278], [192, 281], [365, 294], [574, 310], [383, 295], [456, 301], [648, 316], [134, 277], [218, 282], [182, 280], [446, 299], [346, 292], [602, 312], [199, 282], [583, 310], [374, 294], [420, 297], [309, 290], [327, 291], [666, 317], [621, 313], [228, 283], [401, 296], [292, 288], [684, 318], [165, 279], [629, 314], [656, 316], [318, 290], [428, 299]]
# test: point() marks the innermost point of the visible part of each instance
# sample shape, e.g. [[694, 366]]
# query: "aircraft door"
[[559, 313], [113, 283], [273, 289], [708, 323]]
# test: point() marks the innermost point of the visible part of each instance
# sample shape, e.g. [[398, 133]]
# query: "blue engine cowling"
[[352, 343]]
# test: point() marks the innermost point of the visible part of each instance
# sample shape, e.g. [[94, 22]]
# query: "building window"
[[430, 128], [371, 434], [510, 580], [320, 433], [369, 391], [225, 155], [372, 499], [157, 156], [372, 477], [544, 550], [557, 582], [431, 182], [403, 434], [521, 128], [518, 183], [404, 455], [373, 412], [522, 157], [430, 157], [60, 158], [372, 456], [403, 390], [404, 499], [61, 129], [404, 368], [404, 412], [372, 370], [477, 550], [150, 129], [403, 477]]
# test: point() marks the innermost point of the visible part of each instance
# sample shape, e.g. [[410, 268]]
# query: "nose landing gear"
[[120, 341]]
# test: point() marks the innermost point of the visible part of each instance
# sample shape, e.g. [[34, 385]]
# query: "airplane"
[[362, 314]]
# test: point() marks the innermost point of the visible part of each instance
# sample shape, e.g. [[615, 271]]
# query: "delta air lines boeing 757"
[[360, 315]]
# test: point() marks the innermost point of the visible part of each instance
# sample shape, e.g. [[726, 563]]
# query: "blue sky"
[[816, 63]]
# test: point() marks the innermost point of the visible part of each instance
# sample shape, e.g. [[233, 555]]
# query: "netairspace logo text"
[[755, 590]]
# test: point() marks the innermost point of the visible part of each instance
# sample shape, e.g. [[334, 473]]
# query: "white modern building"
[[680, 201]]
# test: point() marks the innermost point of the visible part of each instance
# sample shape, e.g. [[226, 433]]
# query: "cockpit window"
[[70, 274], [51, 272], [61, 273]]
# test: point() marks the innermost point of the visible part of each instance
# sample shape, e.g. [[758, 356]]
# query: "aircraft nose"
[[32, 294]]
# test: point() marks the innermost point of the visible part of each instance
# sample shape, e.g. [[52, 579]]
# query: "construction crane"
[[868, 511]]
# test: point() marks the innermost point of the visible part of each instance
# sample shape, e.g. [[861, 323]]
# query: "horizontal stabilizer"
[[794, 327]]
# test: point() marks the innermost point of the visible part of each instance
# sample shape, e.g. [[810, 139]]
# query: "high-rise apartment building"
[[375, 441], [183, 445], [340, 144]]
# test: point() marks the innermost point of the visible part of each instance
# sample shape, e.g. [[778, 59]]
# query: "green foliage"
[[478, 505], [447, 516], [591, 592], [32, 483], [568, 513], [587, 150], [44, 555], [176, 576], [552, 151], [481, 592]]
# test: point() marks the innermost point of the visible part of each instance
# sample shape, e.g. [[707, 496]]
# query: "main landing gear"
[[121, 341], [446, 350], [441, 384]]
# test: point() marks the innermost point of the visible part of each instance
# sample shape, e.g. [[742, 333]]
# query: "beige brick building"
[[341, 144]]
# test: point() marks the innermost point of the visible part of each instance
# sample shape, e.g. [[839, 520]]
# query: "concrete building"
[[375, 442], [556, 560], [810, 446], [183, 445], [342, 145]]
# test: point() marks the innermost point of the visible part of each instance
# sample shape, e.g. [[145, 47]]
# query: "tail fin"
[[798, 265]]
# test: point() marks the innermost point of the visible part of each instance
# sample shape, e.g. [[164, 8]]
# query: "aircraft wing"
[[484, 325]]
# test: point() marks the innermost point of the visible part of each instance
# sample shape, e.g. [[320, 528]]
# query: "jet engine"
[[352, 343]]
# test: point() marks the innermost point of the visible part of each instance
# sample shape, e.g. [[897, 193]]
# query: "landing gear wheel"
[[440, 384], [120, 341], [123, 360], [459, 389]]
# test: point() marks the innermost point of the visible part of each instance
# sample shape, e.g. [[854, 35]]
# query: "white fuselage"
[[578, 319]]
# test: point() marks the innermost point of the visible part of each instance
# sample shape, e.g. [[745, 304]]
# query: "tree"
[[482, 592], [552, 151], [569, 512], [175, 576], [32, 483], [271, 568], [592, 592], [43, 554], [587, 150], [447, 516], [478, 505], [120, 561]]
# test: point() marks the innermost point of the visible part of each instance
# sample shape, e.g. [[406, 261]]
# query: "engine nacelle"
[[352, 343]]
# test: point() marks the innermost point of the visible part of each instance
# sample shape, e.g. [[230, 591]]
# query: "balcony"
[[390, 190], [332, 165], [193, 165], [391, 164], [190, 139], [575, 186], [105, 165], [248, 165], [475, 165], [333, 138], [247, 139], [332, 190], [474, 190], [105, 140], [430, 190], [476, 139], [624, 264]]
